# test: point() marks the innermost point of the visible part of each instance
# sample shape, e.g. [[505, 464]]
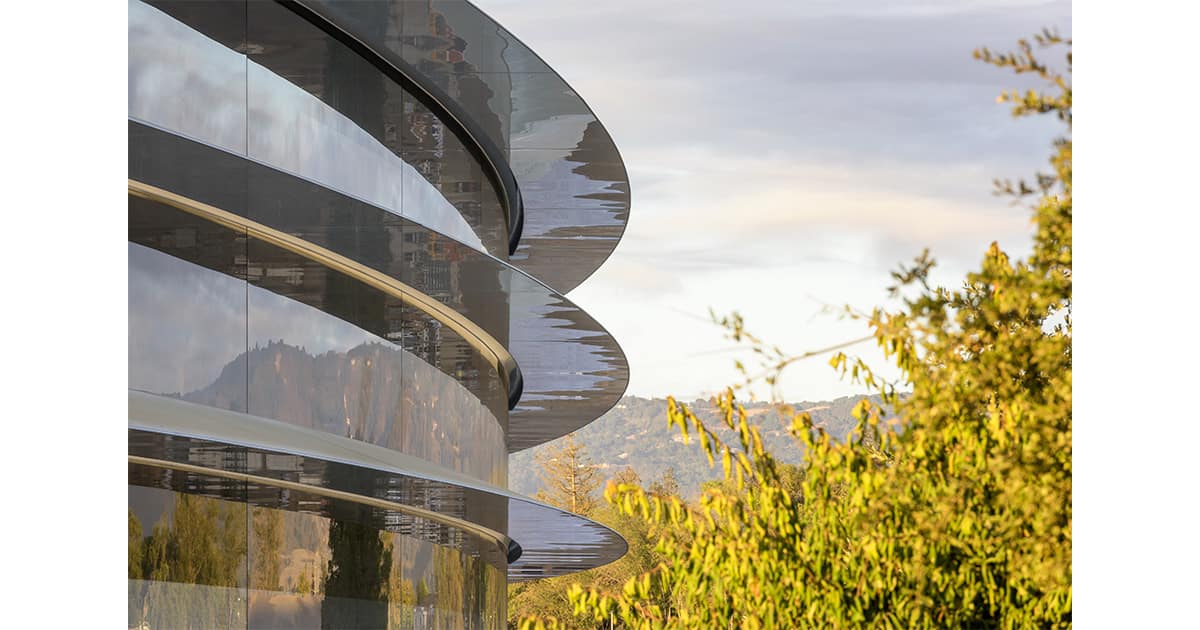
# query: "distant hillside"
[[634, 433]]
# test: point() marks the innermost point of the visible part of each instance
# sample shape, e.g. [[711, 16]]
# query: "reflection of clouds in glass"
[[186, 322], [185, 82], [557, 194], [181, 80], [561, 358], [273, 317], [297, 132], [557, 543]]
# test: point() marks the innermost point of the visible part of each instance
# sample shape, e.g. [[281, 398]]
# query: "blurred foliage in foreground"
[[961, 519]]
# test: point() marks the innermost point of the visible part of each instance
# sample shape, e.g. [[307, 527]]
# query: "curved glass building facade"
[[351, 225]]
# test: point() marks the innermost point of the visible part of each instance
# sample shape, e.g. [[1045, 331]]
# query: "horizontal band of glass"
[[224, 320], [573, 183], [200, 561], [273, 455], [573, 370], [186, 82]]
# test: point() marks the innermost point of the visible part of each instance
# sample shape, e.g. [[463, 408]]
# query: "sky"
[[783, 158]]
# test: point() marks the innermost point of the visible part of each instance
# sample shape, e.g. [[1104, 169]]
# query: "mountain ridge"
[[635, 433]]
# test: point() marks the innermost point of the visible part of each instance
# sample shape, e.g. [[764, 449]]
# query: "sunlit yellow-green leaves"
[[950, 504]]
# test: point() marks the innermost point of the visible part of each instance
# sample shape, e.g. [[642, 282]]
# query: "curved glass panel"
[[305, 114], [187, 560], [553, 542], [314, 370], [573, 370], [282, 347], [187, 305], [572, 180], [182, 80], [368, 105], [198, 560]]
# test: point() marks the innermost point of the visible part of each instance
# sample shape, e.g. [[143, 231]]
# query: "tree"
[[135, 587], [667, 485], [626, 475], [956, 512], [268, 547], [570, 478], [548, 597], [356, 582], [201, 545]]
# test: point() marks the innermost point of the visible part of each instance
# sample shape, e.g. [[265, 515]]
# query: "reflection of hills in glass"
[[360, 394]]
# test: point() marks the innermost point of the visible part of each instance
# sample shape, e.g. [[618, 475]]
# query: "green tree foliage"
[[268, 548], [548, 598], [135, 569], [303, 584], [186, 574], [356, 582], [953, 512], [570, 478]]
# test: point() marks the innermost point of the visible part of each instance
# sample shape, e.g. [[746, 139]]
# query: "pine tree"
[[570, 478]]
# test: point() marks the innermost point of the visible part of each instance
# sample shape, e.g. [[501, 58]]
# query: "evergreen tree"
[[570, 478]]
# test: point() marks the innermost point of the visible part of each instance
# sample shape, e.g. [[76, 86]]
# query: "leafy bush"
[[953, 512]]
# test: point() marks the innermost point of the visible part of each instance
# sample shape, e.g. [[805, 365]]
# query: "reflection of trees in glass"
[[268, 548], [303, 584], [308, 534], [402, 596], [135, 569], [417, 567], [477, 590], [357, 577], [193, 562], [451, 586]]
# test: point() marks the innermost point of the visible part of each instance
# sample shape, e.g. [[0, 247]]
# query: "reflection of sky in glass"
[[297, 132], [181, 80], [186, 322], [556, 543], [185, 82], [572, 182], [273, 317]]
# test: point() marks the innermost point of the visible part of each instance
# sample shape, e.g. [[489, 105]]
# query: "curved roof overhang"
[[570, 182], [255, 456]]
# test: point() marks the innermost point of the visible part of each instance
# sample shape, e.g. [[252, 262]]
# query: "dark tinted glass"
[[200, 556], [393, 125]]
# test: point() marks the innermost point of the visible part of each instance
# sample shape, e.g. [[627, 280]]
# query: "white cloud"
[[787, 155]]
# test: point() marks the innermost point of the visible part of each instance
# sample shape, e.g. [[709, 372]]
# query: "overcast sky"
[[784, 156]]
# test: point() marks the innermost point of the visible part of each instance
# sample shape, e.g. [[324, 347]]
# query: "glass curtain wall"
[[222, 319], [203, 559]]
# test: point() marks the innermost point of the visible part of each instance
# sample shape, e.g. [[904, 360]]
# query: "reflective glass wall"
[[229, 321], [257, 80], [197, 560]]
